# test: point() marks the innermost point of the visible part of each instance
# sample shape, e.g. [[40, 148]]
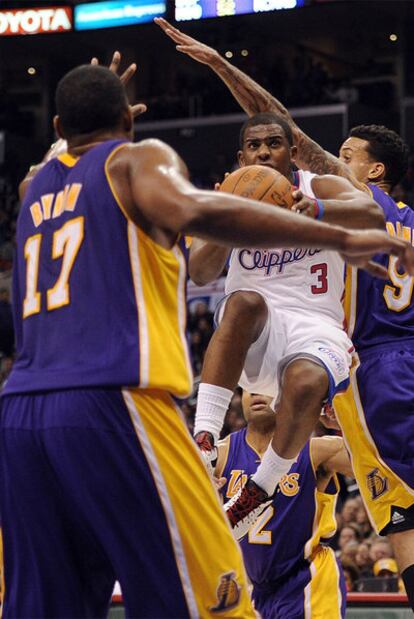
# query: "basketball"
[[261, 183]]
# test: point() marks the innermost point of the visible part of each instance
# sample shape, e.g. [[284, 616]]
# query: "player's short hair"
[[90, 98], [266, 118], [385, 146]]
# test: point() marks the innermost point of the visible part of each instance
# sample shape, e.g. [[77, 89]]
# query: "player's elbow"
[[375, 215]]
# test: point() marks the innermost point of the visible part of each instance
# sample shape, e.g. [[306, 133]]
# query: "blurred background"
[[335, 64]]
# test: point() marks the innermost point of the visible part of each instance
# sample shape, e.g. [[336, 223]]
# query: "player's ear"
[[293, 153], [240, 158], [58, 127], [376, 171]]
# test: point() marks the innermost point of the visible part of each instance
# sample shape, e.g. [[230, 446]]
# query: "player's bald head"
[[88, 99]]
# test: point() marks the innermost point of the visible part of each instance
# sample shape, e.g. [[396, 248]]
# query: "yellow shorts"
[[376, 414], [208, 558]]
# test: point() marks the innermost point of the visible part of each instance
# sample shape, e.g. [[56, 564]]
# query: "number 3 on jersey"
[[321, 271], [66, 243]]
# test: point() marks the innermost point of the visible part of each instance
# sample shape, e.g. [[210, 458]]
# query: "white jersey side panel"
[[298, 278]]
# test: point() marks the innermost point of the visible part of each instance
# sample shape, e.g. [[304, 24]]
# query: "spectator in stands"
[[349, 512], [363, 560], [363, 522], [351, 573], [349, 552], [380, 549]]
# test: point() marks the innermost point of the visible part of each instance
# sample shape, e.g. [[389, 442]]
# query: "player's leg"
[[136, 480], [242, 323], [315, 589], [403, 546], [376, 415], [314, 366], [208, 559], [47, 557], [303, 390]]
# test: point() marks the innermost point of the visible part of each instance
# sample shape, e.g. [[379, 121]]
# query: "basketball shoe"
[[205, 443], [244, 508]]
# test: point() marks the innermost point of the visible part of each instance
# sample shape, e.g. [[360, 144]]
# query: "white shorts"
[[289, 335]]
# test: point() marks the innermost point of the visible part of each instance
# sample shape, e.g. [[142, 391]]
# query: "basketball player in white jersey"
[[280, 325]]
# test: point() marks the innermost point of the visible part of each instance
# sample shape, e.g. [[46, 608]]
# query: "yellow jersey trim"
[[401, 204], [145, 237], [68, 160], [110, 183]]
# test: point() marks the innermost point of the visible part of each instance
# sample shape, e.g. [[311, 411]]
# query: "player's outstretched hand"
[[361, 246], [187, 45], [125, 77]]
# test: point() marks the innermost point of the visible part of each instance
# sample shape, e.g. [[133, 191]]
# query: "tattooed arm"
[[255, 99]]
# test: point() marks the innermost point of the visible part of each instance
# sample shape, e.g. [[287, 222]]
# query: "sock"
[[212, 404], [408, 579], [271, 470]]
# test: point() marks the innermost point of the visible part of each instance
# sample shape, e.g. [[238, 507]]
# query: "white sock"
[[212, 405], [271, 470]]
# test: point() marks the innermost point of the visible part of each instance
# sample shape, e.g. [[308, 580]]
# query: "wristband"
[[319, 209]]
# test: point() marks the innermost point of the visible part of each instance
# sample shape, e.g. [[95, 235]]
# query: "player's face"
[[267, 145], [354, 153], [256, 408]]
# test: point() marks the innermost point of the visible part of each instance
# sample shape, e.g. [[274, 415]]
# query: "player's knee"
[[306, 383], [247, 308]]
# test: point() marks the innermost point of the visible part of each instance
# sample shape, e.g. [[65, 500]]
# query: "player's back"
[[381, 312], [96, 301], [291, 528]]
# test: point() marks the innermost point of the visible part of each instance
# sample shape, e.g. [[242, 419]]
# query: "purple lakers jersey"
[[378, 311], [292, 527], [96, 301]]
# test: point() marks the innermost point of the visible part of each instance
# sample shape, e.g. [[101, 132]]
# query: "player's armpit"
[[329, 454]]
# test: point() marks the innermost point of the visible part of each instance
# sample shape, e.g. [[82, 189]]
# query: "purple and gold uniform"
[[376, 413], [293, 574], [100, 479]]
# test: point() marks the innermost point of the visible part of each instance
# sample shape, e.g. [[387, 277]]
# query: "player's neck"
[[259, 438], [382, 185], [79, 145]]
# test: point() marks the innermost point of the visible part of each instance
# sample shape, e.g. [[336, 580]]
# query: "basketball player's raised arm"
[[329, 456], [155, 189], [342, 204], [254, 99]]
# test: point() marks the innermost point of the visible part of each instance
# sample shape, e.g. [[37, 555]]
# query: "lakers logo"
[[228, 593], [376, 484]]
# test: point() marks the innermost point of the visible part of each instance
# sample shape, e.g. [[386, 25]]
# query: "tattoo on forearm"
[[314, 156]]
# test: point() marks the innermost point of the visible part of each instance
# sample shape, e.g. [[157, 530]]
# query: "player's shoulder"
[[150, 152]]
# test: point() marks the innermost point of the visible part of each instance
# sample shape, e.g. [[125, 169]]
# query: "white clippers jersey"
[[299, 279]]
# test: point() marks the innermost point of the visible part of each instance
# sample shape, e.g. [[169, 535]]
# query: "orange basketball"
[[261, 183]]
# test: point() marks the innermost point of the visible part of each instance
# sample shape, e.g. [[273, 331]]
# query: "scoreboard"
[[198, 9]]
